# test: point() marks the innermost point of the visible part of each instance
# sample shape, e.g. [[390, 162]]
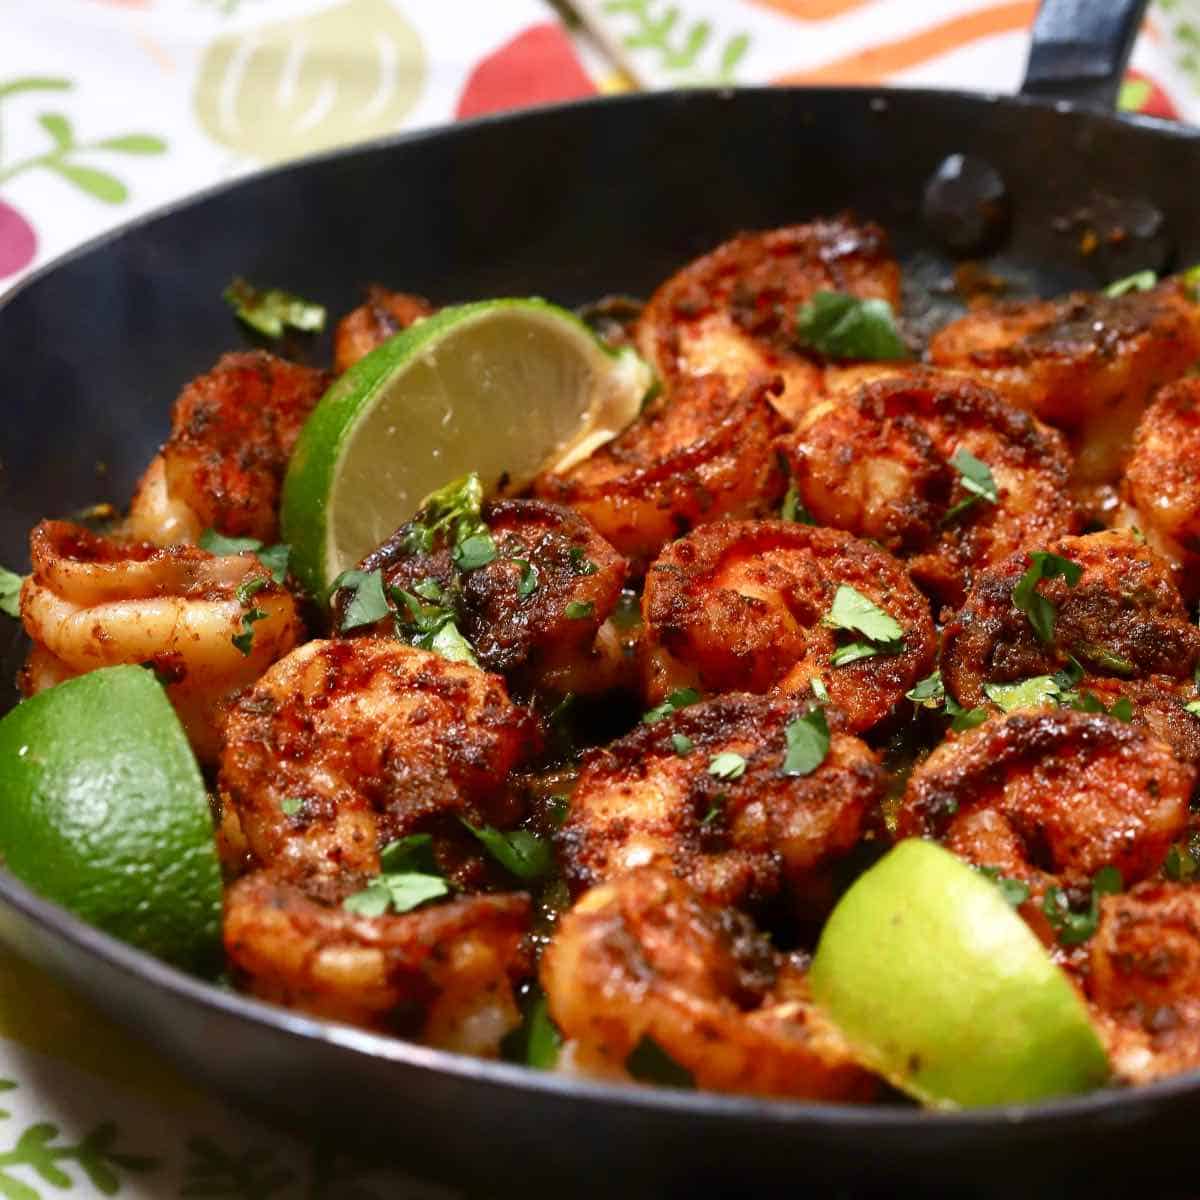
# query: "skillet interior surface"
[[570, 203]]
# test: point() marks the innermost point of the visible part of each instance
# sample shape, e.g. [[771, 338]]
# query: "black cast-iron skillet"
[[573, 202]]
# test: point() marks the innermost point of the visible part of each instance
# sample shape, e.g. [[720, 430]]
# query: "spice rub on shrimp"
[[208, 625], [232, 433], [1087, 363], [706, 791], [733, 312], [641, 957], [1122, 618], [383, 314], [531, 588], [888, 463], [1161, 487], [1050, 798], [750, 606], [699, 452]]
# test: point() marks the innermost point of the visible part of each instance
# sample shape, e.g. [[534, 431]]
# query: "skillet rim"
[[732, 1109]]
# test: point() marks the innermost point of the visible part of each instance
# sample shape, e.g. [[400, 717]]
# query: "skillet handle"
[[1080, 48]]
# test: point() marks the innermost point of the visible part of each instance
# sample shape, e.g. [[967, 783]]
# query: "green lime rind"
[[942, 989], [493, 371], [103, 810]]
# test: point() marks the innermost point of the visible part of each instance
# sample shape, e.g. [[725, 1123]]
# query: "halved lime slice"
[[103, 809], [504, 388], [943, 989]]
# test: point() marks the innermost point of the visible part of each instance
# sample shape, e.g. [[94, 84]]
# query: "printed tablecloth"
[[109, 108]]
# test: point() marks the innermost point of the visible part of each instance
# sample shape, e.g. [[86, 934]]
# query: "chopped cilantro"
[[528, 582], [1122, 709], [537, 1041], [727, 765], [929, 692], [579, 610], [1107, 660], [819, 689], [474, 551], [449, 642], [411, 853], [682, 744], [1074, 927], [852, 611], [976, 477], [1014, 891], [399, 892], [248, 588], [367, 604], [290, 806], [963, 718], [580, 563], [453, 512], [792, 509], [517, 851], [1139, 281], [714, 811], [1025, 596], [852, 652], [274, 558], [807, 743], [842, 326], [1193, 707], [244, 641], [271, 310], [430, 589], [10, 592], [1040, 689], [650, 1063], [1183, 860], [680, 698], [557, 808]]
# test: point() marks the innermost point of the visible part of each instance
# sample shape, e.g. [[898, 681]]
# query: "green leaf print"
[[212, 1171], [96, 183], [679, 46]]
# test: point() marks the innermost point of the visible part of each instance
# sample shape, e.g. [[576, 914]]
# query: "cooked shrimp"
[[743, 606], [538, 611], [1087, 363], [697, 454], [1143, 980], [1050, 798], [650, 797], [384, 314], [1161, 488], [1122, 618], [733, 312], [208, 625], [878, 465], [442, 974], [642, 957], [232, 433], [366, 741]]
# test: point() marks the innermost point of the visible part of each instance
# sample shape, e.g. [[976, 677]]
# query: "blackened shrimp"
[[208, 625], [1086, 363], [1122, 618], [383, 314], [733, 312], [641, 960], [536, 611], [739, 835], [232, 433], [700, 452], [1161, 487], [879, 465], [746, 606], [1051, 798]]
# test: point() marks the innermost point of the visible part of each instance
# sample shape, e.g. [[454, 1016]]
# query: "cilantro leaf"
[[1027, 693], [1193, 707], [680, 698], [537, 1041], [853, 652], [964, 718], [929, 692], [727, 765], [842, 326], [650, 1063], [807, 743], [1040, 611], [528, 582], [367, 604], [474, 551], [1014, 891], [1073, 927], [399, 892], [248, 588], [819, 689], [851, 610], [714, 811], [976, 477], [271, 310], [409, 854], [290, 806], [449, 642], [1122, 709], [10, 592], [792, 509], [579, 610], [244, 641], [517, 851], [274, 558], [580, 563], [1139, 281], [682, 744]]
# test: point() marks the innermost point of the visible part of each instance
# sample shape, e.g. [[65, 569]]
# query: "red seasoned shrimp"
[[652, 797], [643, 958], [698, 453], [1087, 363], [1050, 798], [745, 606], [383, 315], [733, 312], [208, 625], [232, 433], [878, 464]]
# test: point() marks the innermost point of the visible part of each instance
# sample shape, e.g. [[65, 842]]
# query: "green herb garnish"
[[929, 692], [579, 610], [792, 509], [517, 851], [274, 558], [400, 892], [1025, 596], [474, 552], [842, 326], [1073, 927], [244, 641], [727, 765], [580, 563], [650, 1063], [964, 718], [682, 744], [528, 582], [976, 477], [1015, 891], [1028, 693], [10, 592], [271, 310], [1139, 281], [807, 743], [290, 806], [367, 603], [852, 611], [680, 698]]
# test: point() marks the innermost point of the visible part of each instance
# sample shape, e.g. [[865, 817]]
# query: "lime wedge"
[[504, 388], [102, 809], [944, 990]]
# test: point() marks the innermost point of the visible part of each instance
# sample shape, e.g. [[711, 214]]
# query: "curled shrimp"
[[651, 797], [745, 606], [641, 957], [1050, 798], [879, 463], [208, 625], [697, 454], [382, 315], [733, 312], [232, 433], [1086, 363]]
